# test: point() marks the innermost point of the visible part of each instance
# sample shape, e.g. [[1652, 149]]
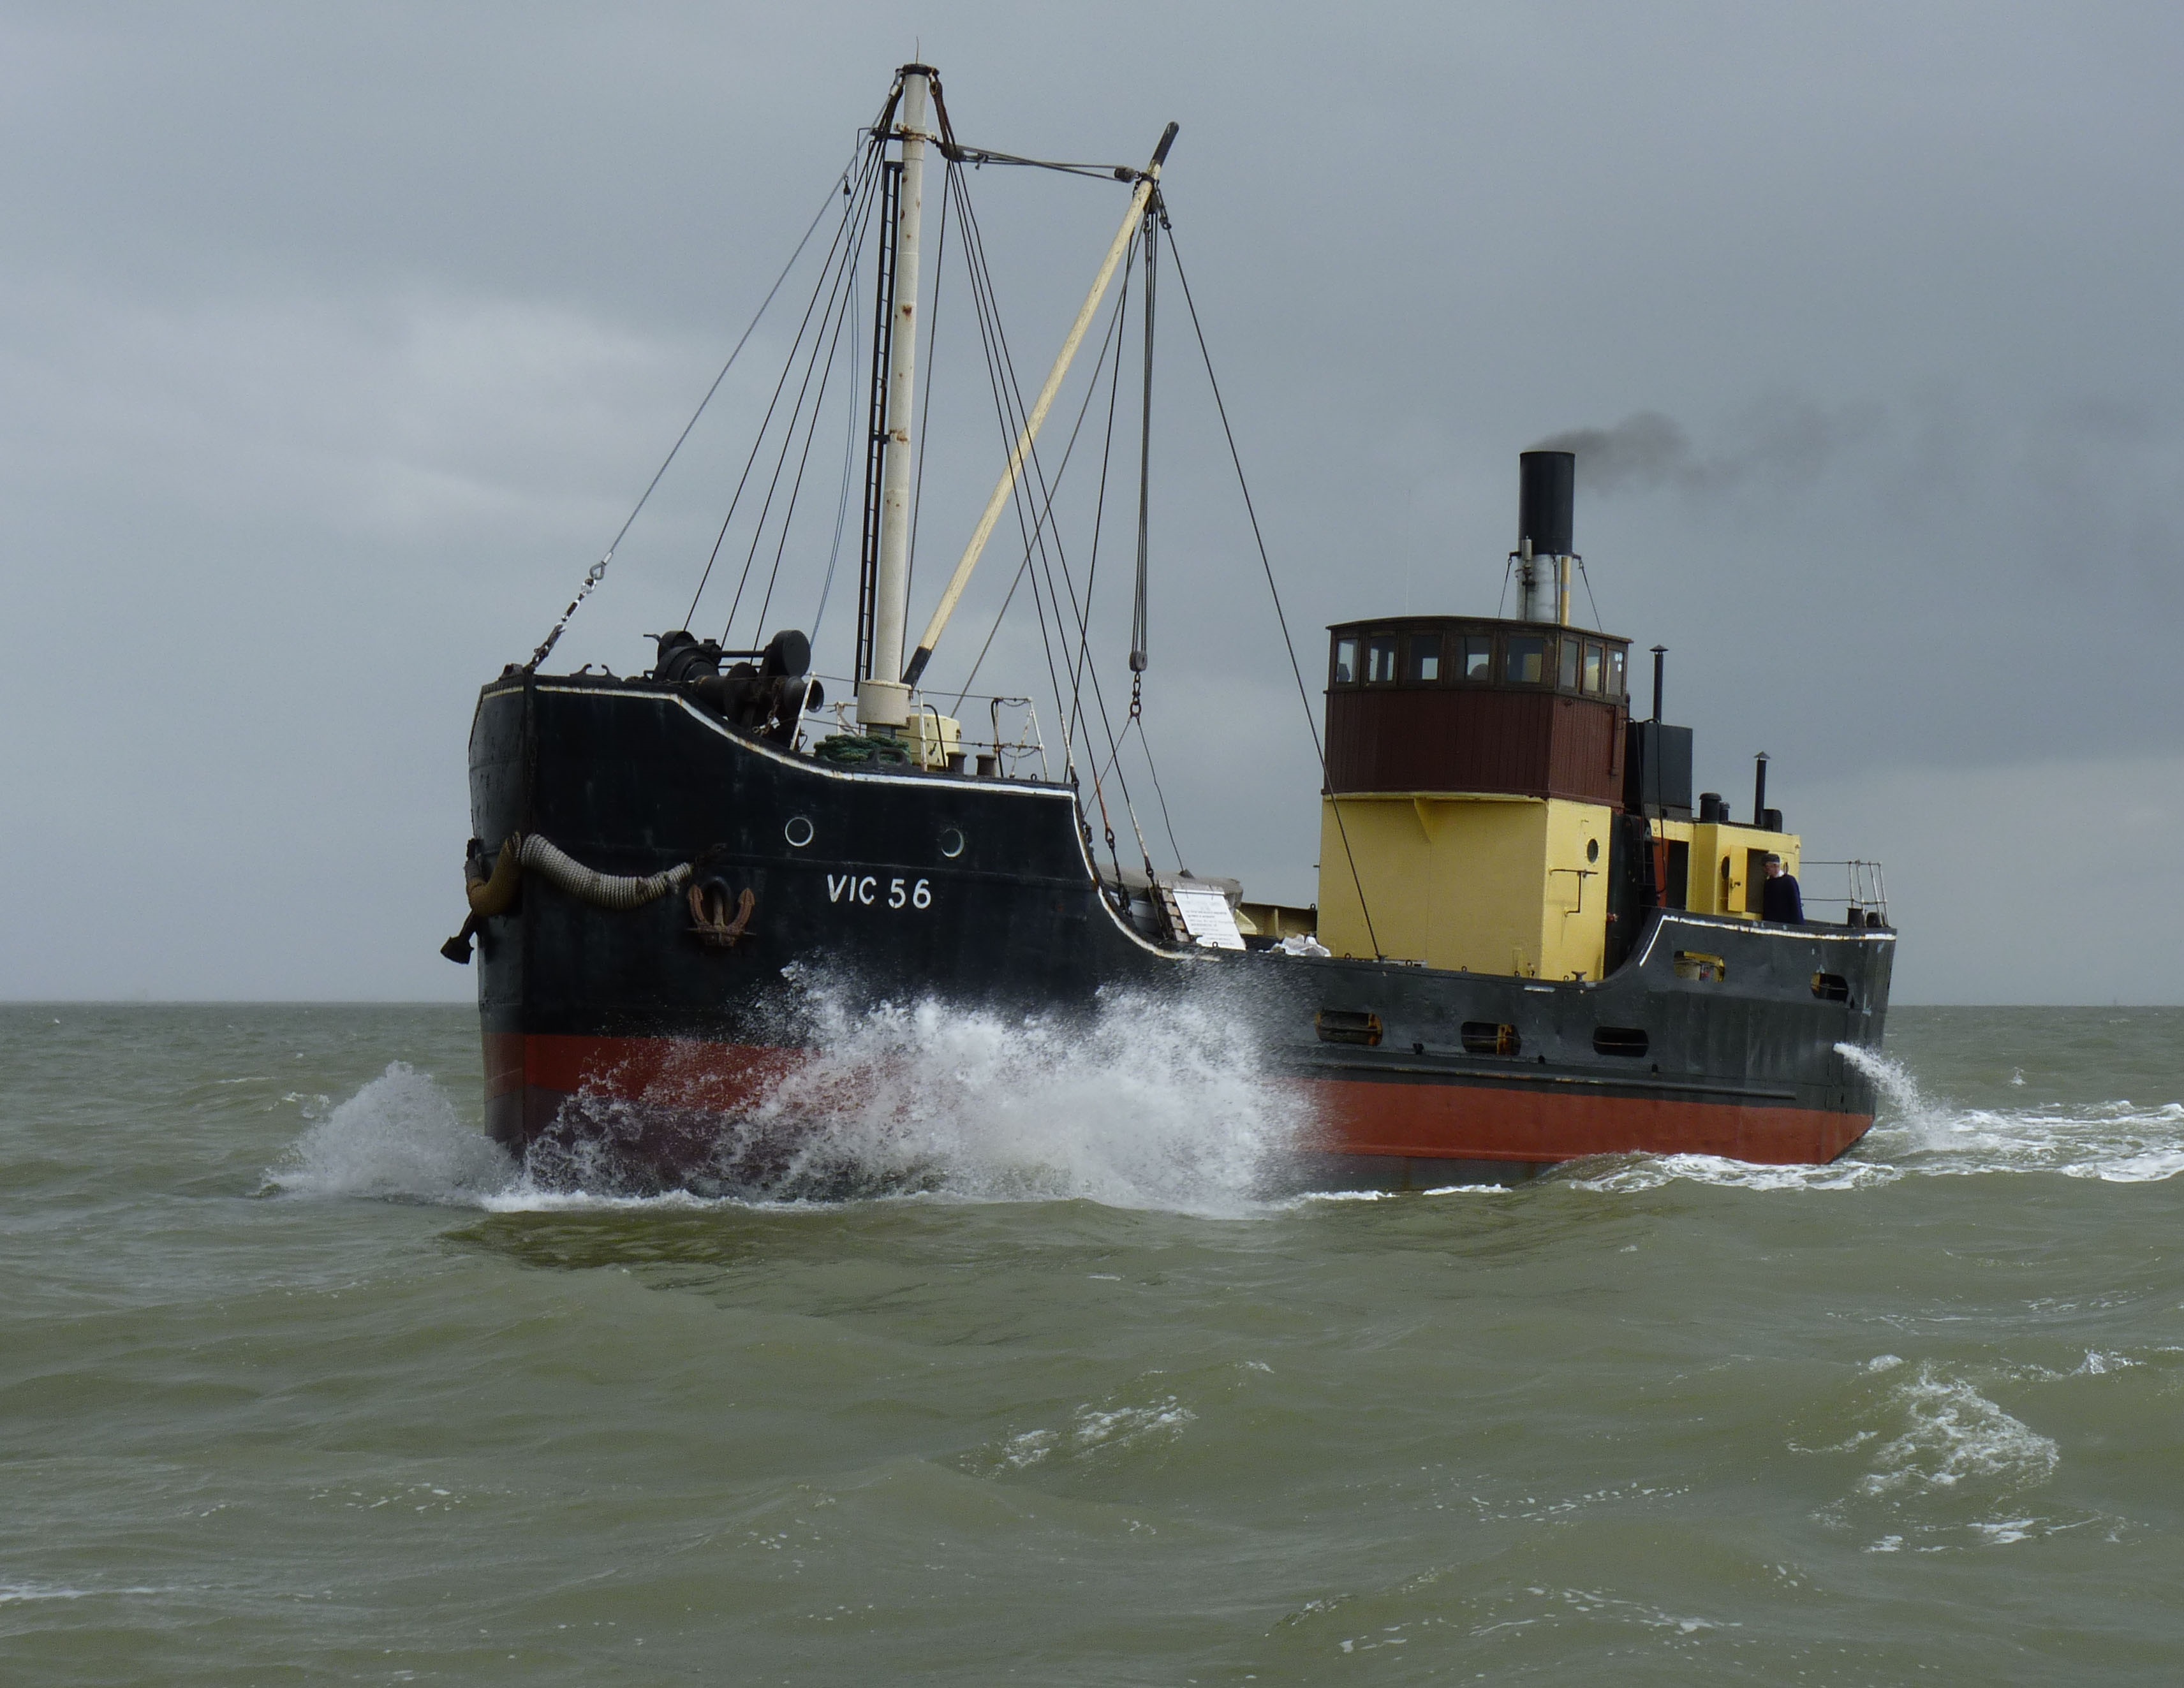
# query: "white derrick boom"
[[983, 531]]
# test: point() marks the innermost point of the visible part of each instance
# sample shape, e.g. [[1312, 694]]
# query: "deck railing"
[[1865, 889]]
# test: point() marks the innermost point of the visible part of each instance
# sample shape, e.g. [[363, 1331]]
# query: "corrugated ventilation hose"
[[496, 893], [601, 891]]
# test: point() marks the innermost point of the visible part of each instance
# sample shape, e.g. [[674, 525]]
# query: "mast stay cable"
[[1156, 220], [831, 323], [1010, 406], [1175, 256], [994, 344], [818, 404], [932, 367], [597, 572], [976, 156], [1017, 581], [841, 505], [1036, 540], [852, 215], [1022, 494], [1100, 500]]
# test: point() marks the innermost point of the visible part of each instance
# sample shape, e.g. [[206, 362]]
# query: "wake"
[[1917, 1136]]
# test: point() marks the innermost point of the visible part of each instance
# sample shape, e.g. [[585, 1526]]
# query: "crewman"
[[1779, 899]]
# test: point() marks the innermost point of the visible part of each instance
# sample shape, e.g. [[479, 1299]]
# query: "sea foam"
[[1915, 1136], [398, 1137], [1157, 1105]]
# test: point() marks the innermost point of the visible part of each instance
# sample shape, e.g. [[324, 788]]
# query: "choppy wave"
[[1941, 1466], [1917, 1135], [1152, 1105], [1948, 1434]]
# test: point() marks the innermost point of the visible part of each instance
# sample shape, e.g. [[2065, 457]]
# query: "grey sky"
[[336, 343]]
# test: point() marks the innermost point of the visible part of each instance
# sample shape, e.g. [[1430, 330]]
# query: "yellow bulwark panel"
[[1483, 883]]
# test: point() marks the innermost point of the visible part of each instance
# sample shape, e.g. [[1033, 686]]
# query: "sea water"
[[302, 1380]]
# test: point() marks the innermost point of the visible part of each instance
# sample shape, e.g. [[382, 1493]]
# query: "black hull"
[[630, 1007]]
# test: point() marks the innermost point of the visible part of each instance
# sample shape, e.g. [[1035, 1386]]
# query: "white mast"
[[883, 700]]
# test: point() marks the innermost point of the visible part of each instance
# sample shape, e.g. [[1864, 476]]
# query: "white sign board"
[[1205, 916]]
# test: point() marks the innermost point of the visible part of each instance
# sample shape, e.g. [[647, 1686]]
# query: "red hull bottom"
[[1389, 1133]]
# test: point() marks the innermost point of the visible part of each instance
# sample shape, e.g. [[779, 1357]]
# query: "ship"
[[1532, 942]]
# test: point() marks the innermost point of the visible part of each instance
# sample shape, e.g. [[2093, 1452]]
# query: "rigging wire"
[[925, 407], [1136, 717], [818, 404], [852, 217], [841, 502], [1036, 539], [1035, 533], [1175, 256], [837, 285], [1075, 681], [1145, 440], [976, 156], [1589, 597], [597, 572], [1145, 744], [1100, 501], [844, 277], [1155, 222], [988, 333]]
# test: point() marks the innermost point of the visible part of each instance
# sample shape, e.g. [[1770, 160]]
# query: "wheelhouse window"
[[1524, 661], [1380, 659], [1569, 665], [1425, 658], [1345, 662], [1474, 657], [1615, 657], [1592, 666]]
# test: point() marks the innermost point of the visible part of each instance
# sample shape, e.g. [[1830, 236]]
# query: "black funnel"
[[1546, 500]]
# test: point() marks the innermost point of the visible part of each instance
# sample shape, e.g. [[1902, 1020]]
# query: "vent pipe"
[[1759, 790], [1660, 660]]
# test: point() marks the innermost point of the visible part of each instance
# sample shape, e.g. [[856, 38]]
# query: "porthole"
[[798, 832], [951, 842], [1592, 850]]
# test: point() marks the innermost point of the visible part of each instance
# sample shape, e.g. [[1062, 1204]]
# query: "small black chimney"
[[1545, 502], [1759, 790], [1660, 656]]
